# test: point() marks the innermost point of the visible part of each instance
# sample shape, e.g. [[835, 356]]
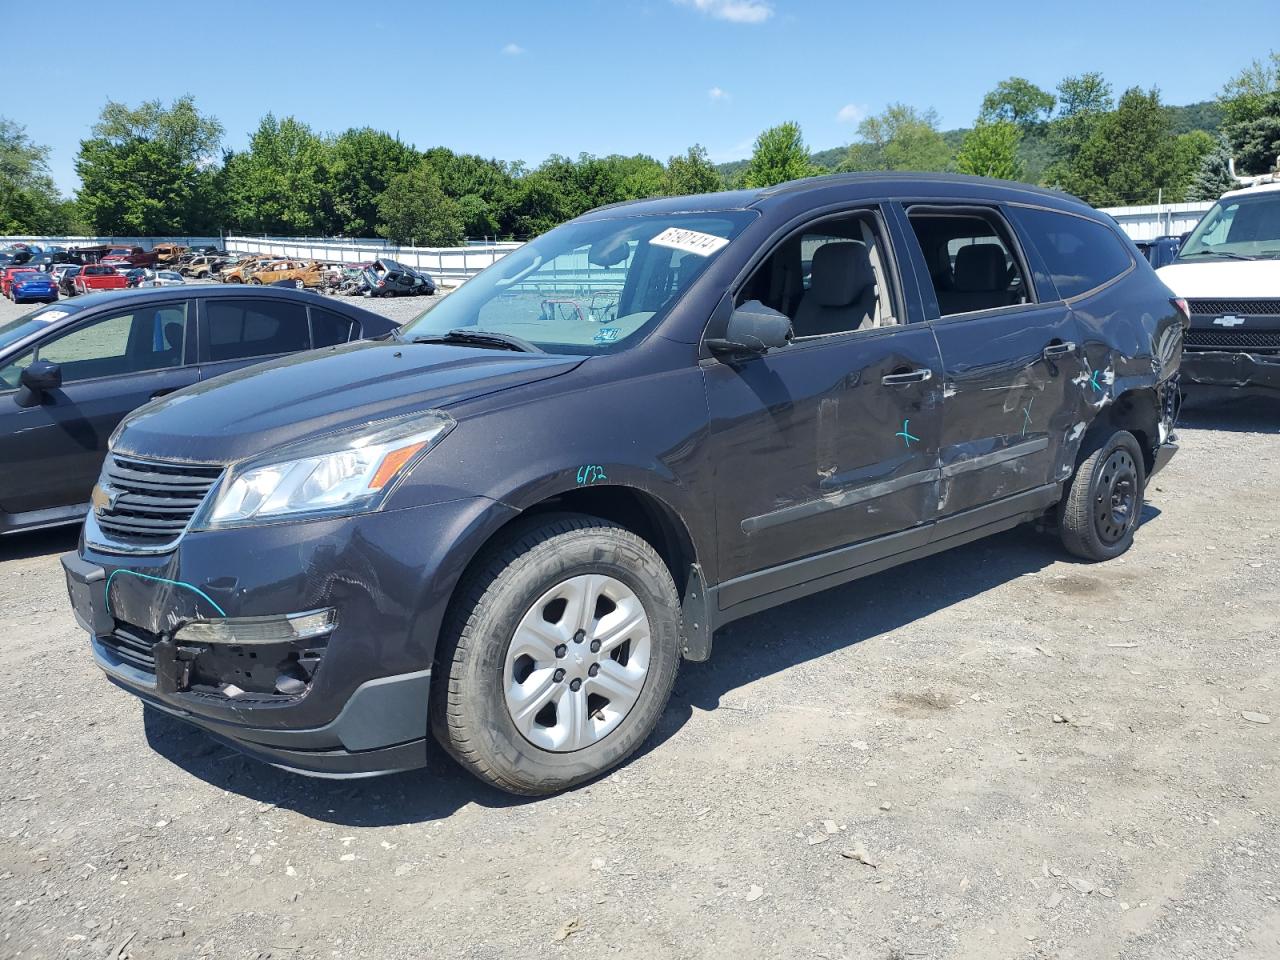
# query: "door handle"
[[1058, 350], [909, 376]]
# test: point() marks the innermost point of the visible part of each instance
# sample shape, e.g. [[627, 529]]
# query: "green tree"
[[414, 209], [151, 170], [278, 184], [1017, 101], [691, 173], [29, 201], [900, 138], [360, 164], [484, 189], [1082, 103], [1244, 96], [1131, 158], [1214, 178], [780, 155], [990, 149], [1256, 142]]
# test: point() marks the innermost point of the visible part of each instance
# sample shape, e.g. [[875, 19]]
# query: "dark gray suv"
[[507, 525]]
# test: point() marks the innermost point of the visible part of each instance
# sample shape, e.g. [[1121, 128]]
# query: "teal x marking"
[[905, 433], [1026, 416], [1093, 382]]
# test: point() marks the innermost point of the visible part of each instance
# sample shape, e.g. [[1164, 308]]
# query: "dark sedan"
[[71, 371]]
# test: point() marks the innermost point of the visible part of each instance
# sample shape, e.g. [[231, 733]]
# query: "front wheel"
[[1098, 516], [559, 657]]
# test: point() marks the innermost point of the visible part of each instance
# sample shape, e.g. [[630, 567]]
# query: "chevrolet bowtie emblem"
[[1230, 320], [104, 498]]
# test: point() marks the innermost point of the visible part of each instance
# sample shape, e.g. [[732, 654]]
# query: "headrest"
[[840, 273], [981, 267]]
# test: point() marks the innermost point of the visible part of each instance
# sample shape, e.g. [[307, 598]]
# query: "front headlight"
[[346, 472]]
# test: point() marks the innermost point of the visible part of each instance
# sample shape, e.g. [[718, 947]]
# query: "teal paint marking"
[[590, 473], [1093, 382], [905, 433], [175, 583], [1026, 416]]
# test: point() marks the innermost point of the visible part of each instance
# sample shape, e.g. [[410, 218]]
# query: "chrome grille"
[[1244, 308], [148, 502], [1199, 338]]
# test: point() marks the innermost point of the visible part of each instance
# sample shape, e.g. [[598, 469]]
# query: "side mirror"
[[36, 380], [754, 328]]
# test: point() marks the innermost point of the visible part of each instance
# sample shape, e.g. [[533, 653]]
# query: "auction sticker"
[[49, 316], [690, 241]]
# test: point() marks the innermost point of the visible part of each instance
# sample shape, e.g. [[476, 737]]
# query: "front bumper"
[[389, 576], [1238, 371]]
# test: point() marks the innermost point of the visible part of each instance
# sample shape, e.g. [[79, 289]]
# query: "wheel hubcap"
[[577, 663], [1116, 505]]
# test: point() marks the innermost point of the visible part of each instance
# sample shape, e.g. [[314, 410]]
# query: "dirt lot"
[[995, 753]]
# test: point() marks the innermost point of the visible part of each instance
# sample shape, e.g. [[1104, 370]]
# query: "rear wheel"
[[559, 657], [1098, 516]]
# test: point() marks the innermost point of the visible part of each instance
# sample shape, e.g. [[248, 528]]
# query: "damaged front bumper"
[[315, 639], [1233, 370]]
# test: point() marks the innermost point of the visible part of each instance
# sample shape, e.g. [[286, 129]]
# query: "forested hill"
[[1034, 149]]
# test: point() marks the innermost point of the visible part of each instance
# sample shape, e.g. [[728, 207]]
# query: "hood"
[[258, 408], [1212, 279]]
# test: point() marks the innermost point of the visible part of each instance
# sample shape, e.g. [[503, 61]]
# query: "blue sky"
[[522, 80]]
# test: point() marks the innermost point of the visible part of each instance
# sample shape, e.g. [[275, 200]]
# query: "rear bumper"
[[1233, 370]]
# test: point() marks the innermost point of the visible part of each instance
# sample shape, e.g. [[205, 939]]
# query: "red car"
[[6, 278], [98, 276], [135, 256]]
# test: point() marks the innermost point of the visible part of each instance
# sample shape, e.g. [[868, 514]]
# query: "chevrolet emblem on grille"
[[104, 498], [1230, 320]]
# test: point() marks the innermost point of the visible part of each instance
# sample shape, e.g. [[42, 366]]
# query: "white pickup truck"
[[1228, 271]]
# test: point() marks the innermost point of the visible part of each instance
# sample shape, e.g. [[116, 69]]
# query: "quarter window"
[[241, 328], [329, 328], [1080, 254]]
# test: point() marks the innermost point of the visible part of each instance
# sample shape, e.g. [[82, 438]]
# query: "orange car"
[[243, 272], [314, 274]]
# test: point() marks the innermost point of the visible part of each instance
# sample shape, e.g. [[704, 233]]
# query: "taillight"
[[1183, 308]]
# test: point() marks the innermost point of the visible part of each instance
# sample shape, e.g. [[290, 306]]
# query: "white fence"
[[447, 265], [1159, 220]]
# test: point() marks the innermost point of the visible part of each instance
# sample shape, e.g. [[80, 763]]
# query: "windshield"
[[586, 288], [1244, 227], [27, 324]]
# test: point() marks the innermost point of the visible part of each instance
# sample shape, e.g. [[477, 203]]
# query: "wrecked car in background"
[[387, 278], [507, 525]]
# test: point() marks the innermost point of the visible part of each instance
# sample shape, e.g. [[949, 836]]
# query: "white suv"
[[1228, 271]]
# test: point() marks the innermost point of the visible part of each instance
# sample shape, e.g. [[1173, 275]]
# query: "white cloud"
[[851, 113], [513, 49], [717, 95], [735, 11]]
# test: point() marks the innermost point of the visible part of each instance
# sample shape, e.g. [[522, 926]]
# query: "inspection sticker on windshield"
[[690, 241]]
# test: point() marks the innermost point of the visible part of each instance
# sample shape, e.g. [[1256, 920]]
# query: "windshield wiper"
[[1214, 253], [481, 338]]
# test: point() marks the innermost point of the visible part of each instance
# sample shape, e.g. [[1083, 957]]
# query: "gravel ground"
[[996, 752]]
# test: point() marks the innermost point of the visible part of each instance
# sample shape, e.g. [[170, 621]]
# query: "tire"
[[1099, 514], [508, 604]]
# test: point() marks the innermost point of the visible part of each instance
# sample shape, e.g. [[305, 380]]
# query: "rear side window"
[[329, 329], [1080, 254], [971, 258], [240, 328]]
